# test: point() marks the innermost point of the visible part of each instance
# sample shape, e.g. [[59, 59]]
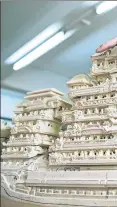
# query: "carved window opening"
[[79, 153], [87, 152], [42, 190], [87, 98], [93, 111], [111, 62], [104, 152], [48, 190], [95, 153], [110, 136], [60, 108], [104, 96], [112, 95], [85, 111]]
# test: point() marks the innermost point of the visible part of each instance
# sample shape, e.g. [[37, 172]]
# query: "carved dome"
[[81, 79]]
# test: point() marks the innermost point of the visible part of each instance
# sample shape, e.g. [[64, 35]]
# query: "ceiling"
[[23, 20]]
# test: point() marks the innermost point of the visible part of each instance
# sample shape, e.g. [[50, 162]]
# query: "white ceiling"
[[23, 20]]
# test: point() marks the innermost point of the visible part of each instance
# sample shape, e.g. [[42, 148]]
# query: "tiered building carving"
[[37, 123], [82, 169]]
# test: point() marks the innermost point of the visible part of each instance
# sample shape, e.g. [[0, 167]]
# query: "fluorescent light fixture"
[[106, 6], [29, 46], [42, 49]]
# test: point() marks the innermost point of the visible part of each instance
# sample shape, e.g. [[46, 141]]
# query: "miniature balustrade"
[[96, 97], [82, 155], [37, 126], [29, 138], [12, 163], [78, 192], [94, 111], [80, 87], [102, 99], [35, 100], [44, 114], [92, 138], [28, 149]]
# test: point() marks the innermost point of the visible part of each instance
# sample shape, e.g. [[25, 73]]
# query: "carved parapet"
[[34, 163], [67, 116], [103, 156], [22, 152], [43, 114], [84, 118], [13, 165], [103, 70], [94, 90], [94, 140], [78, 129], [89, 114], [91, 141], [30, 140], [47, 114], [99, 101], [40, 126], [102, 67], [48, 103]]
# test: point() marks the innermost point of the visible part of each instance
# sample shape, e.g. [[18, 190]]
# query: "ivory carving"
[[59, 154]]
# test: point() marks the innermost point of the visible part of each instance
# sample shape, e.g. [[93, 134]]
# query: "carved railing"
[[109, 156]]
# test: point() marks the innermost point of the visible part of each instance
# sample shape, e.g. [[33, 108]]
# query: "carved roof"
[[110, 53], [81, 79], [57, 92]]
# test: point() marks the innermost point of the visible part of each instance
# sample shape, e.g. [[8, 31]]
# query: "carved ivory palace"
[[62, 155]]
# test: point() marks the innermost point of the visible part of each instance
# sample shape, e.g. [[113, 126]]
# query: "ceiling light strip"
[[39, 39], [106, 6], [42, 49]]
